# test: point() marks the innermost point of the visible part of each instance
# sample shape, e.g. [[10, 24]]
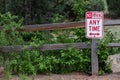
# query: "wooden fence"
[[57, 26]]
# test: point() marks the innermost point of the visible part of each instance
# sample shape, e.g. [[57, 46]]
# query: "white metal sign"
[[94, 24]]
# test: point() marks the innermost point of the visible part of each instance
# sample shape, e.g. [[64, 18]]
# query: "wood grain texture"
[[51, 47], [65, 25], [53, 26], [94, 57], [112, 22], [44, 47], [114, 45]]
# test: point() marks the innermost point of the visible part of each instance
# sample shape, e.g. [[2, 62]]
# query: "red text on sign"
[[97, 15], [94, 22], [94, 28]]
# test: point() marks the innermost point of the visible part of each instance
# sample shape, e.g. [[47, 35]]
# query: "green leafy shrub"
[[95, 5], [57, 61], [8, 35], [81, 6], [75, 60], [104, 51]]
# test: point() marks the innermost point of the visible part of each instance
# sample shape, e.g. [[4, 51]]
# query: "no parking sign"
[[94, 24]]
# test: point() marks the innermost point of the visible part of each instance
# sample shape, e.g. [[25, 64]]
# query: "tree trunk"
[[5, 6], [27, 12]]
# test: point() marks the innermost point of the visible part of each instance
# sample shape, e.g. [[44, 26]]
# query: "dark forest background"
[[43, 11]]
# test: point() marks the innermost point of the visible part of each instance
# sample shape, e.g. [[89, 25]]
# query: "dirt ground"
[[72, 76]]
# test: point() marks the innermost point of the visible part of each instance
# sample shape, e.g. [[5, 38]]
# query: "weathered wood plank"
[[114, 44], [64, 46], [112, 22], [44, 47], [65, 25], [51, 47], [53, 26], [16, 48], [94, 57]]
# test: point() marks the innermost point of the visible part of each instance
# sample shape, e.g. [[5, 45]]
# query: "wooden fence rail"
[[114, 45], [51, 47], [44, 47], [65, 25]]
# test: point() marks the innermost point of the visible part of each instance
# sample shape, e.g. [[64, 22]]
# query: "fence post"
[[94, 57]]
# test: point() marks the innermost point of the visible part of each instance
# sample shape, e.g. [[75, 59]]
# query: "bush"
[[114, 8], [81, 6], [95, 5], [58, 61], [9, 35]]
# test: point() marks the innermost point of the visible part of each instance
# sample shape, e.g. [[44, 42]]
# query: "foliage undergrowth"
[[81, 6], [57, 61]]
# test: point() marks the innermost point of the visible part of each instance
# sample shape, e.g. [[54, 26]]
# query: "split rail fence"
[[58, 26]]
